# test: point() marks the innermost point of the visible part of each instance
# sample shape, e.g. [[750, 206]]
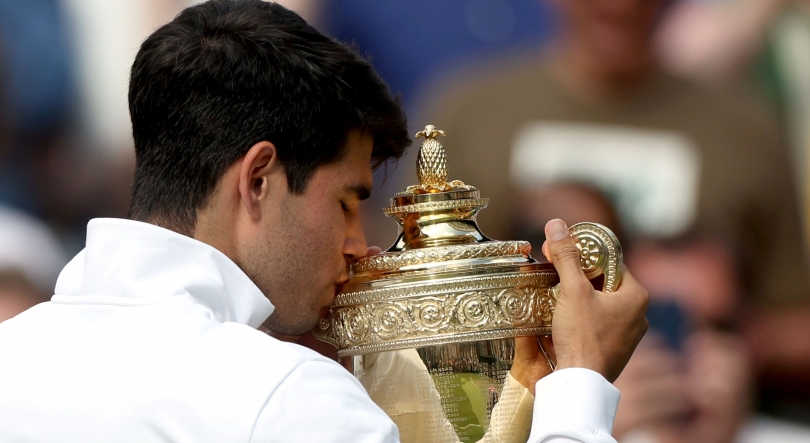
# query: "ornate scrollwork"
[[409, 257], [393, 318], [589, 253], [430, 313], [516, 305], [474, 309], [436, 206], [538, 279], [600, 253], [355, 324]]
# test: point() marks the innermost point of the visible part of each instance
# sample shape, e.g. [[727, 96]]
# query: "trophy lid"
[[437, 221]]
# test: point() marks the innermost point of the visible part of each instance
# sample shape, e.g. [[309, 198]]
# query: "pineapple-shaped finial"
[[431, 162]]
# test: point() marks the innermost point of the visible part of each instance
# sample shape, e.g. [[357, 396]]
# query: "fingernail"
[[556, 230]]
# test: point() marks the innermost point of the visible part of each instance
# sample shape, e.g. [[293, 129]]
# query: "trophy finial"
[[430, 132], [431, 162]]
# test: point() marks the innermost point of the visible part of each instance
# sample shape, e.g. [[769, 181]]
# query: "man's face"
[[617, 34], [308, 240]]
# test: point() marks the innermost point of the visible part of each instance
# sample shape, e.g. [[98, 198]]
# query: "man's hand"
[[530, 364], [592, 329]]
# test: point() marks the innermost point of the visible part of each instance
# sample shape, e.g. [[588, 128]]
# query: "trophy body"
[[428, 326]]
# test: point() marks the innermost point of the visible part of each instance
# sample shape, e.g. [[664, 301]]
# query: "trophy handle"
[[600, 254]]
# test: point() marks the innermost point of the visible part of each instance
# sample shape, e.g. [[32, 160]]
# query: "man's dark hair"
[[227, 74]]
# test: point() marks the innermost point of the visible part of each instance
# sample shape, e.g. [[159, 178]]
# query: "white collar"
[[130, 262]]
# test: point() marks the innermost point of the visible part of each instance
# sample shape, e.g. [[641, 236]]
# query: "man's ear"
[[258, 166]]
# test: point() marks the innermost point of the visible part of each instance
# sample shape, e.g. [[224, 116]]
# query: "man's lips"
[[342, 280], [328, 302]]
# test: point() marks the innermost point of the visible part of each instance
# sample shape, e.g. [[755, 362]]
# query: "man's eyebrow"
[[362, 191]]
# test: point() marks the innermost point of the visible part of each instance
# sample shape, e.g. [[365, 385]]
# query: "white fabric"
[[150, 337], [574, 405]]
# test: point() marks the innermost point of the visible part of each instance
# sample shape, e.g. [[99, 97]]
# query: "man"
[[255, 136]]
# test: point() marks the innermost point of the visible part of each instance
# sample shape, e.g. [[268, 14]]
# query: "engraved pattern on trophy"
[[540, 279], [479, 203], [440, 254], [600, 253], [393, 317]]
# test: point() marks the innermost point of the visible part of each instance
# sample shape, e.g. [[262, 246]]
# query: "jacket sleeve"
[[322, 402], [574, 405]]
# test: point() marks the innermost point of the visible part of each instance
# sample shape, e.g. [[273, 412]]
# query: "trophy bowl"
[[428, 326]]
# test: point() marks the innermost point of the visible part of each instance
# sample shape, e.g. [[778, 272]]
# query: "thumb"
[[563, 254]]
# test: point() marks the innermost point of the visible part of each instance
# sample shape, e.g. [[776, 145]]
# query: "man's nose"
[[355, 244]]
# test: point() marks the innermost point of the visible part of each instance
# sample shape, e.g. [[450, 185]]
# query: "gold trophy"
[[428, 326]]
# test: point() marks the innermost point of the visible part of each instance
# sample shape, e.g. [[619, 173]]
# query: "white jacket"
[[151, 337]]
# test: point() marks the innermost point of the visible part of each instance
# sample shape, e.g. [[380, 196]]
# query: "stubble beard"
[[281, 268], [290, 296]]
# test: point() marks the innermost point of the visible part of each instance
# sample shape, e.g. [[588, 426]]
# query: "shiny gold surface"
[[428, 325]]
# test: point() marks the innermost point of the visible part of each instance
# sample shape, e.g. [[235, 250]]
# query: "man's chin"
[[296, 329]]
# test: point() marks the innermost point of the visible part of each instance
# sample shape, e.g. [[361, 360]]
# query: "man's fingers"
[[526, 347], [373, 250], [630, 286], [563, 254], [529, 364]]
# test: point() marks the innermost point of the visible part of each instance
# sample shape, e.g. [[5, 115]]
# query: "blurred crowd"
[[683, 125]]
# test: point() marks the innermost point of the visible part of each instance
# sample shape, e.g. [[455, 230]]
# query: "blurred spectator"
[[672, 155], [723, 42], [30, 260], [691, 379], [36, 84]]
